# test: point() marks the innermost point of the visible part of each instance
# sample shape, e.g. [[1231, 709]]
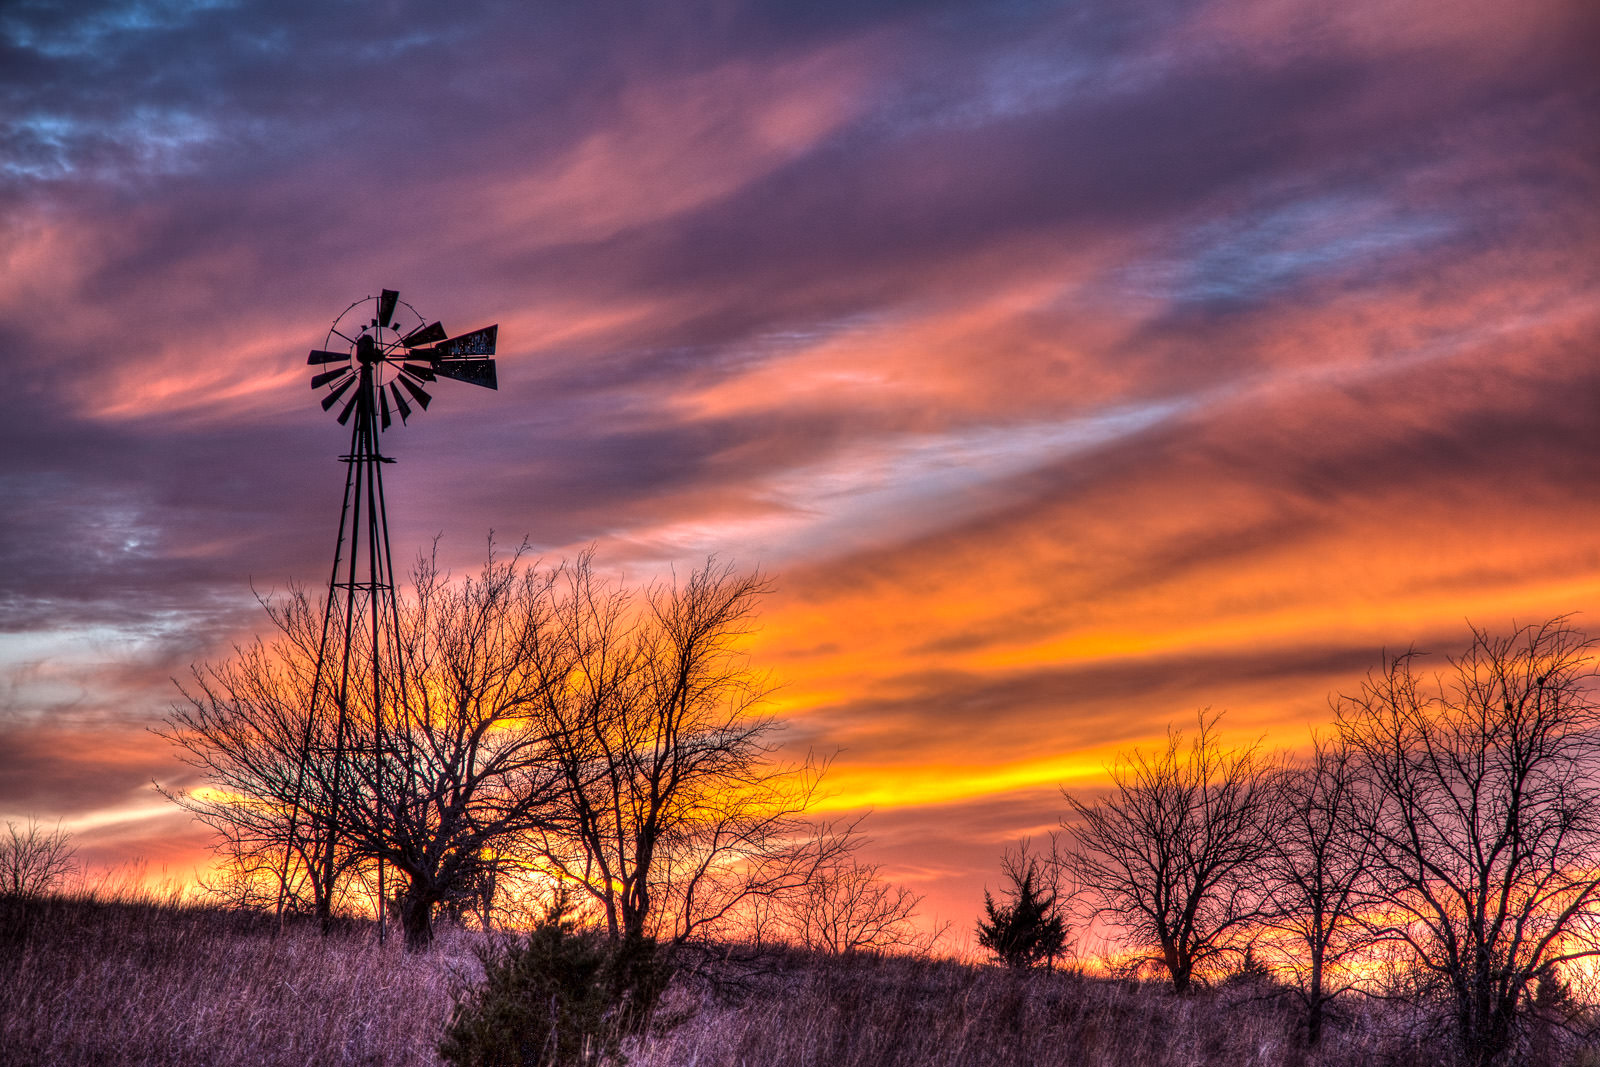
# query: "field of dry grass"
[[149, 983], [872, 1012]]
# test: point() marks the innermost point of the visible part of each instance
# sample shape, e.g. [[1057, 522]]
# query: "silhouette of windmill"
[[378, 348]]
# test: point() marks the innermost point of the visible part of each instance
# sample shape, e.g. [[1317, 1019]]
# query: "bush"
[[556, 997], [1029, 930]]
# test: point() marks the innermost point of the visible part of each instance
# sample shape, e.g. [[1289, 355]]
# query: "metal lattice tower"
[[377, 349]]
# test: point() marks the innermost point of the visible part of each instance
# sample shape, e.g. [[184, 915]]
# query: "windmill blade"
[[319, 356], [318, 381], [420, 371], [400, 402], [476, 343], [386, 303], [417, 393], [384, 412], [344, 416], [471, 371], [424, 335], [333, 397]]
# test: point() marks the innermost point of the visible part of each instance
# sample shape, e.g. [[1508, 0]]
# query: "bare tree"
[[35, 861], [1169, 856], [1485, 832], [676, 814], [1317, 872], [446, 786], [846, 905]]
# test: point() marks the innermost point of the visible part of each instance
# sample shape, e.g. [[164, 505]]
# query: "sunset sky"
[[1070, 367]]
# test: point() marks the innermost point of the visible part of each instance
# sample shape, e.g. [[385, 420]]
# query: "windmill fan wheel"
[[380, 349]]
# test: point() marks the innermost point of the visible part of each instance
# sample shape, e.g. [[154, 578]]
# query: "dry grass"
[[149, 983], [888, 1012], [91, 982]]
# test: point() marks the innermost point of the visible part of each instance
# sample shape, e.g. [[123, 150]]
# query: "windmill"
[[378, 349]]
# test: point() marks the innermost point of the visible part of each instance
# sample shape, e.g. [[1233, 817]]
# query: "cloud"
[[79, 773]]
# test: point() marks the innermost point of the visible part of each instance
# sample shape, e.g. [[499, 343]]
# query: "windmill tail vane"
[[379, 349]]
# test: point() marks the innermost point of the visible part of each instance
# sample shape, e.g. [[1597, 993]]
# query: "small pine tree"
[[559, 997], [1028, 929]]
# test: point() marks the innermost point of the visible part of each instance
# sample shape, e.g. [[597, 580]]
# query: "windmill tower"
[[377, 349]]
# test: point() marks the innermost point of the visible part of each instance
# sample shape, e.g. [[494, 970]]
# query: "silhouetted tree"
[[1485, 823], [466, 777], [35, 861], [674, 813], [1170, 856], [845, 905], [1317, 871], [1028, 928]]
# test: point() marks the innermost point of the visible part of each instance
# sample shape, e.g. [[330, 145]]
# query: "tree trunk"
[[1486, 1032], [632, 924], [416, 917], [637, 910], [322, 880], [1314, 1000], [1177, 966]]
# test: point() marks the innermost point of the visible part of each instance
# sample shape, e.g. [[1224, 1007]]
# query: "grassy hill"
[[161, 983]]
